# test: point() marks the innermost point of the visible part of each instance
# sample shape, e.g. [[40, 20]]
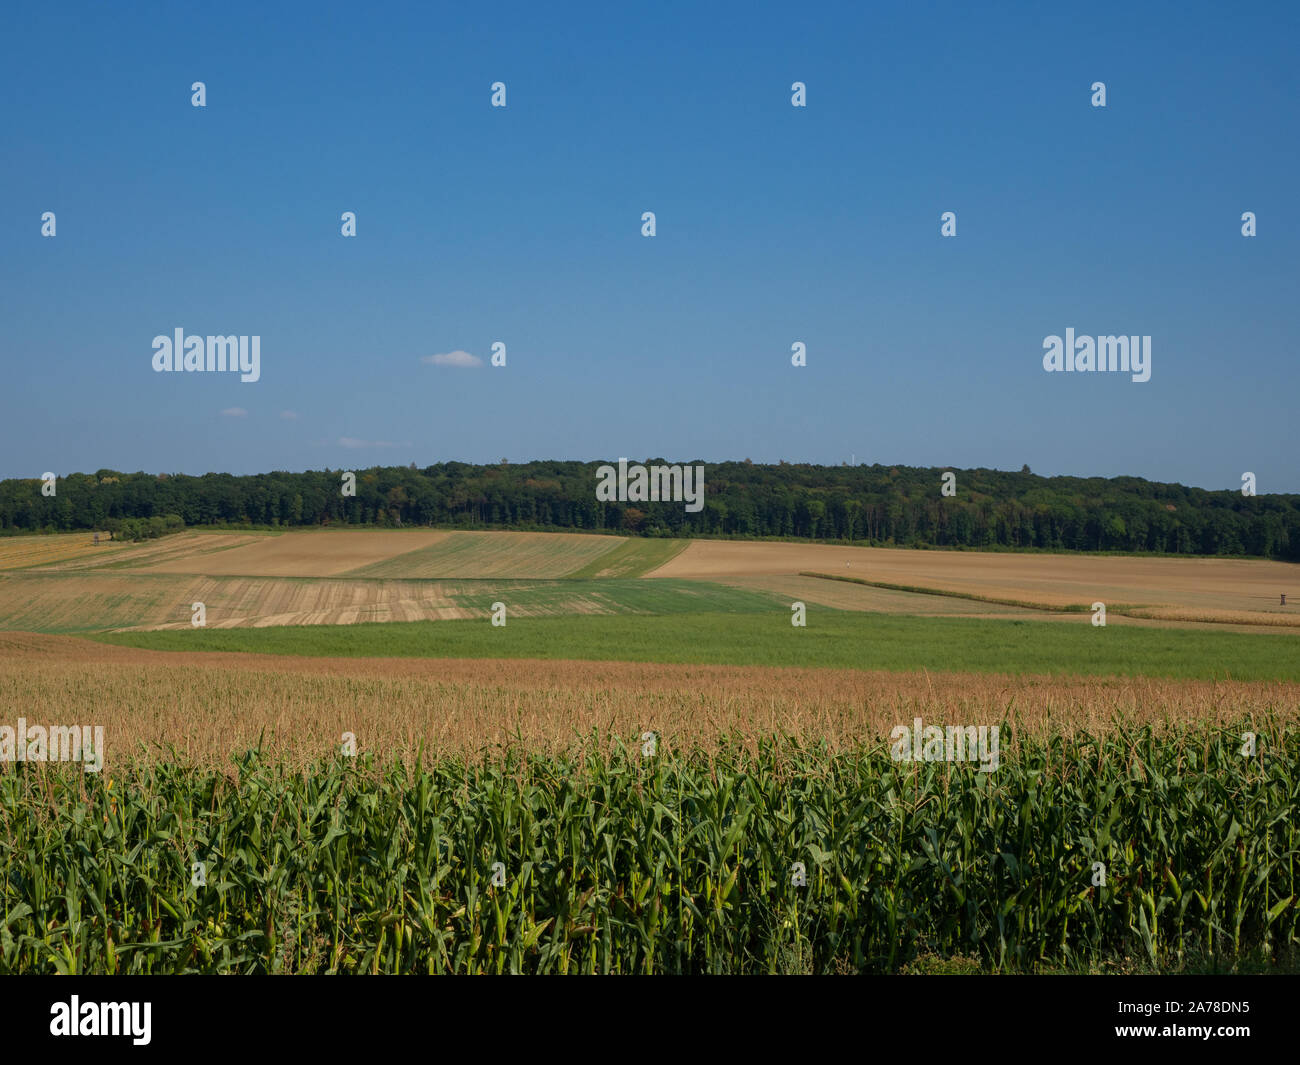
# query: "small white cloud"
[[289, 415], [461, 359], [234, 412], [352, 441]]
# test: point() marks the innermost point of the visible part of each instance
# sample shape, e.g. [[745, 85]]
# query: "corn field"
[[787, 858]]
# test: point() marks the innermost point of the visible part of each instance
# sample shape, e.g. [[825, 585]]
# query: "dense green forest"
[[873, 504]]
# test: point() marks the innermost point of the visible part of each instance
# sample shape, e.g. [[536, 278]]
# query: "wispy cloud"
[[460, 359], [234, 412], [289, 415]]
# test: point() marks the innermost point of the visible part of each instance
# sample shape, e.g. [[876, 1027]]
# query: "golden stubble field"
[[320, 577], [208, 707], [21, 552], [363, 553], [77, 552], [124, 601], [324, 553], [388, 553], [1175, 589]]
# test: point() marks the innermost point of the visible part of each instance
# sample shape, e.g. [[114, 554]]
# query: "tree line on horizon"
[[882, 505]]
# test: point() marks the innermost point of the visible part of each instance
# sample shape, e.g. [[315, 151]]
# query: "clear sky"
[[775, 224]]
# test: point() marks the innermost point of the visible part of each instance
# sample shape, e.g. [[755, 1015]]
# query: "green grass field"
[[613, 596], [831, 639], [633, 558]]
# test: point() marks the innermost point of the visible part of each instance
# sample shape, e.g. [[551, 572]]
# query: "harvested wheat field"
[[124, 601], [318, 553], [1176, 589], [848, 595], [843, 595], [21, 552], [210, 706], [153, 552], [396, 553]]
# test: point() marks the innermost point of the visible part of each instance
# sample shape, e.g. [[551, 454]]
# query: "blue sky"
[[775, 224]]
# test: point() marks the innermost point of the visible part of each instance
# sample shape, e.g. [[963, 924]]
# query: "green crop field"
[[614, 596], [831, 639], [787, 860], [633, 558]]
